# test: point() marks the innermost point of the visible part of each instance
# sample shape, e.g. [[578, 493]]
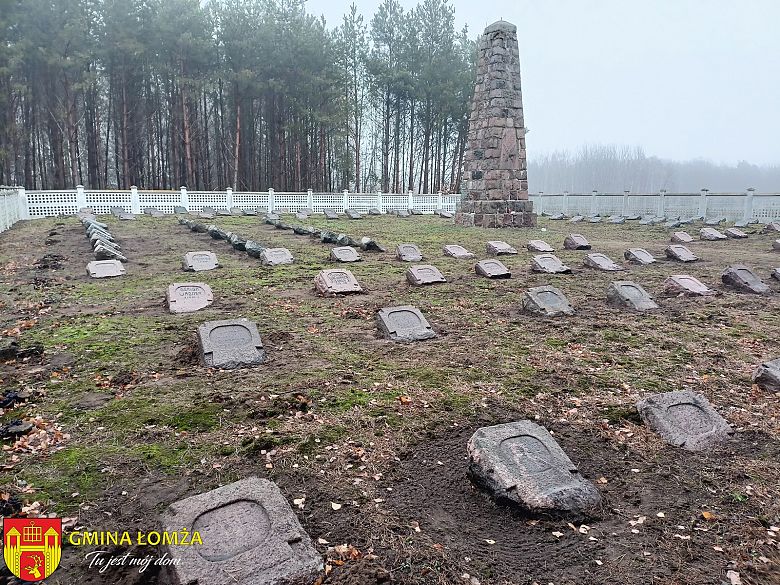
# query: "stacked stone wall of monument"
[[495, 166]]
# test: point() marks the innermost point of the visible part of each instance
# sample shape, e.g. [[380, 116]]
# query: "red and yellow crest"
[[32, 546]]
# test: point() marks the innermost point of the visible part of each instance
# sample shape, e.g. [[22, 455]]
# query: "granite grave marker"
[[549, 263], [408, 253], [492, 268], [546, 300], [680, 253], [601, 262], [186, 297], [105, 268], [420, 274], [336, 281], [230, 344], [198, 261], [345, 254], [629, 294], [576, 242], [639, 256], [743, 278], [499, 248], [687, 285], [405, 323]]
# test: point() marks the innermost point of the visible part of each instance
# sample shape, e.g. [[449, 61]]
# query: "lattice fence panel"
[[51, 203]]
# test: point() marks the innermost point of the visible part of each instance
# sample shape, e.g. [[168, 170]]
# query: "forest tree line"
[[248, 94]]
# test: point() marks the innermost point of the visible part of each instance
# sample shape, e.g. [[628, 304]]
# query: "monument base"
[[496, 214]]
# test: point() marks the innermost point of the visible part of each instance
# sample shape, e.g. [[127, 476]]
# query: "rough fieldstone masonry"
[[495, 161]]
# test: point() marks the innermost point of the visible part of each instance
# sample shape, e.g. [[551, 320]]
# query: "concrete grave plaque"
[[576, 219], [186, 297], [680, 253], [237, 211], [576, 242], [345, 254], [539, 246], [617, 219], [151, 211], [408, 253], [230, 344], [416, 211], [276, 256], [639, 256], [776, 245], [126, 217], [223, 212], [684, 419], [330, 214], [771, 227], [492, 269], [446, 215], [647, 221], [270, 218], [629, 294], [105, 268], [352, 214], [498, 248], [743, 278], [711, 234], [250, 536], [252, 212], [197, 261], [736, 234], [601, 262], [715, 221], [557, 217], [687, 285], [546, 300], [374, 211], [420, 274], [549, 263], [301, 215], [206, 215], [117, 211], [767, 376], [633, 217], [208, 209], [104, 252], [369, 245], [404, 323], [403, 213], [519, 463], [336, 281], [456, 251], [595, 219], [673, 223], [682, 238]]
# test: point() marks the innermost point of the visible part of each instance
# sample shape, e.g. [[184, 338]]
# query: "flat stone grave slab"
[[206, 215], [771, 227], [687, 285], [230, 344], [557, 217], [711, 234], [674, 223], [126, 217], [198, 261], [208, 209], [336, 281], [715, 221], [617, 219], [539, 246], [492, 268], [105, 252], [735, 233], [595, 219], [253, 248], [276, 256], [199, 228], [345, 254], [420, 274], [647, 221], [374, 211], [408, 253], [776, 245], [576, 219], [369, 245], [576, 242], [151, 210], [680, 253], [330, 214], [117, 211], [624, 293], [403, 213], [105, 268], [639, 256], [237, 211], [549, 263], [499, 248], [300, 215], [352, 214], [405, 323], [684, 419], [741, 223], [519, 463], [271, 217], [456, 251], [186, 297], [601, 262], [767, 376], [546, 300], [446, 215], [217, 233], [633, 217], [180, 209], [223, 212], [252, 212], [743, 278], [682, 238], [250, 536]]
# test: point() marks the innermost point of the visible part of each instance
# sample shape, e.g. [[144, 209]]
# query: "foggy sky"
[[683, 79]]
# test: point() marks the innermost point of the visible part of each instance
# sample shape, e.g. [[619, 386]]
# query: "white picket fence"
[[17, 203]]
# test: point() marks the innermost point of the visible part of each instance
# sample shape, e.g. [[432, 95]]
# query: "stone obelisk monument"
[[494, 160]]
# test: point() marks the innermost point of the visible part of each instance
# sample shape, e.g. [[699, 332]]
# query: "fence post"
[[185, 198], [593, 201], [410, 202], [81, 197], [345, 200], [748, 213], [661, 202], [135, 201], [379, 203], [309, 199], [540, 207], [703, 203], [439, 201], [24, 208], [624, 208], [229, 197], [565, 203], [271, 201]]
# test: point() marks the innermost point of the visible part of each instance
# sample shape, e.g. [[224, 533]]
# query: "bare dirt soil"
[[370, 436]]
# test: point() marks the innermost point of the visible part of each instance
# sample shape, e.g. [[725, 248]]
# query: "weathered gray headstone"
[[629, 294], [105, 268], [252, 212], [304, 230], [647, 220], [617, 219], [270, 218], [209, 209], [673, 223], [151, 211], [546, 300], [767, 376], [714, 221], [276, 256], [369, 245], [230, 344], [711, 234], [236, 211], [549, 263], [639, 256], [300, 215], [336, 281], [253, 248], [633, 217], [743, 278], [117, 211], [408, 253], [680, 253], [352, 214], [126, 217], [576, 219], [223, 212], [457, 251], [492, 268], [250, 536], [682, 238], [217, 233], [684, 419], [771, 227], [197, 261], [576, 242], [557, 217], [736, 234], [330, 214], [374, 211], [601, 262], [687, 285], [104, 252], [446, 215], [776, 273], [345, 254], [539, 246], [206, 215], [520, 463], [405, 323], [199, 228], [419, 274], [499, 248], [186, 297], [403, 213], [776, 245], [594, 219], [180, 209]]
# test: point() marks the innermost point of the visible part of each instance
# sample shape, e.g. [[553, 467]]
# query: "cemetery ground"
[[367, 438]]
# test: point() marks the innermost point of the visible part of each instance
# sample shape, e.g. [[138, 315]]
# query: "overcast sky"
[[682, 78]]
